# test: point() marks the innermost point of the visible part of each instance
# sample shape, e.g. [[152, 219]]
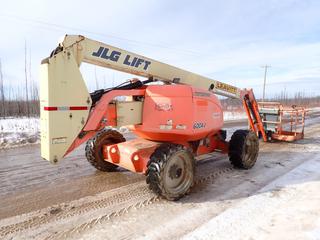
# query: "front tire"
[[94, 148], [243, 149], [170, 171]]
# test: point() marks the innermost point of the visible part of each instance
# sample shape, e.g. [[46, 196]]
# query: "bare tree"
[[3, 109]]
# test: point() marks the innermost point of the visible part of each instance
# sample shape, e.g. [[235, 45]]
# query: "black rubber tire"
[[243, 149], [94, 149], [162, 165]]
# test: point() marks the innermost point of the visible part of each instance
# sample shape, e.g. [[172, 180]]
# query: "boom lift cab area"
[[175, 122]]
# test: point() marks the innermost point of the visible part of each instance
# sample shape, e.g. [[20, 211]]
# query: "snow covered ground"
[[233, 116], [22, 131], [288, 209], [18, 131], [277, 199]]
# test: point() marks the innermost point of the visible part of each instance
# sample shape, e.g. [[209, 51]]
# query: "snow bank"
[[314, 109], [19, 131], [235, 115], [22, 131], [255, 216]]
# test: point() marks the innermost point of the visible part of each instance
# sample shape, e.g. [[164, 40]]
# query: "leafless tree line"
[[21, 101], [14, 105], [299, 99]]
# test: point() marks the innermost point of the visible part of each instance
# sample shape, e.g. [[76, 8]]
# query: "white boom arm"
[[104, 55]]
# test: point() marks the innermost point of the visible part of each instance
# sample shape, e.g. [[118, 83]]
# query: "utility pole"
[[264, 81], [26, 77]]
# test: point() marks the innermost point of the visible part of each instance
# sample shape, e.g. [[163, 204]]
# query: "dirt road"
[[33, 183], [73, 200]]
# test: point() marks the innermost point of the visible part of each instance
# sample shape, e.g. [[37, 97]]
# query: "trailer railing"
[[282, 122]]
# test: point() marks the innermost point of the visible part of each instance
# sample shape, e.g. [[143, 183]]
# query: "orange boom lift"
[[174, 122]]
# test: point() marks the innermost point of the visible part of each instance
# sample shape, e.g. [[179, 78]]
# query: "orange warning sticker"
[[226, 87]]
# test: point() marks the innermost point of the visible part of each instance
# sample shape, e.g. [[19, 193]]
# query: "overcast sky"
[[228, 40]]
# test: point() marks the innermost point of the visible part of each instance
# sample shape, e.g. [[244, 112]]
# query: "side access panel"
[[129, 113]]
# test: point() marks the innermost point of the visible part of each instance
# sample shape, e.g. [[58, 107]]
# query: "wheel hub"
[[175, 171]]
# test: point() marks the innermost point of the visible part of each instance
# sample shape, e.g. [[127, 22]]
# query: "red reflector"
[[50, 108], [78, 108], [65, 108]]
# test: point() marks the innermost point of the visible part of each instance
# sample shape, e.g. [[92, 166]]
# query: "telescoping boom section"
[[70, 115]]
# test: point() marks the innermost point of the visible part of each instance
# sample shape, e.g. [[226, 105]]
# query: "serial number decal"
[[59, 140], [226, 87], [114, 56], [198, 125], [163, 107]]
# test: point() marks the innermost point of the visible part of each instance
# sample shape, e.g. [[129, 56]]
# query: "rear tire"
[[243, 149], [94, 148], [170, 171]]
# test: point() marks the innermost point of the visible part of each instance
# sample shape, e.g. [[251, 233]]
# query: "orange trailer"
[[282, 123]]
